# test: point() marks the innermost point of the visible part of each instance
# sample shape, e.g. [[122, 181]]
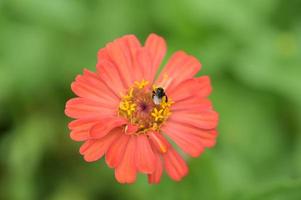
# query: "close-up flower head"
[[140, 120], [151, 100]]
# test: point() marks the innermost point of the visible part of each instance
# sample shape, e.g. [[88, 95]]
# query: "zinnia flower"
[[129, 115]]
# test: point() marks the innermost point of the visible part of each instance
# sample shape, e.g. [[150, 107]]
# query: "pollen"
[[138, 108]]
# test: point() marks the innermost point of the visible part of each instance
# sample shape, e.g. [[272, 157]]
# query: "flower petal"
[[96, 148], [159, 141], [206, 119], [90, 86], [110, 75], [130, 129], [80, 135], [145, 158], [190, 143], [195, 87], [120, 55], [105, 125], [134, 46], [179, 68], [156, 47], [85, 108], [144, 61], [174, 164], [116, 151], [80, 129], [197, 104], [85, 146], [190, 134], [155, 177], [126, 170], [102, 54]]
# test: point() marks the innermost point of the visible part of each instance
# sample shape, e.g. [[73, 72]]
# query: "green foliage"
[[251, 50]]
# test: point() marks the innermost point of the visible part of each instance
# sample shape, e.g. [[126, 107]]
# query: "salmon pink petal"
[[97, 147], [206, 119], [204, 86], [134, 46], [160, 143], [155, 177], [126, 170], [196, 87], [130, 129], [102, 54], [80, 129], [192, 103], [206, 137], [85, 146], [108, 72], [120, 55], [144, 61], [145, 158], [116, 151], [89, 85], [80, 135], [105, 125], [189, 143], [80, 124], [174, 164], [179, 68], [85, 108], [156, 47]]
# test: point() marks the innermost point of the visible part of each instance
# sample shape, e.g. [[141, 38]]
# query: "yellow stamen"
[[158, 114], [141, 84], [165, 104], [128, 107]]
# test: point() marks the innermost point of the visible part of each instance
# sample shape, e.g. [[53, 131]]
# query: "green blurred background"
[[251, 50]]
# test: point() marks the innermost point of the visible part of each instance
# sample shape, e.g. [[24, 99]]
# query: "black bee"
[[158, 95]]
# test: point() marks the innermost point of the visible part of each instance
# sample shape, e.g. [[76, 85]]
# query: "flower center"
[[139, 108]]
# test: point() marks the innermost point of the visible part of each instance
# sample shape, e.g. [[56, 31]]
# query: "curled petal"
[[130, 129], [160, 143], [94, 149], [105, 125], [80, 128]]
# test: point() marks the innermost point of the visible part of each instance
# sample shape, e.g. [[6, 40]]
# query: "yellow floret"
[[128, 107], [165, 104], [141, 84], [158, 114]]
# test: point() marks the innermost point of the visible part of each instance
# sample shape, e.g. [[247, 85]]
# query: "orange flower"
[[123, 112]]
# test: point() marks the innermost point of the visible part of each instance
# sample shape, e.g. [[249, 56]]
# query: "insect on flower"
[[128, 116], [158, 95]]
